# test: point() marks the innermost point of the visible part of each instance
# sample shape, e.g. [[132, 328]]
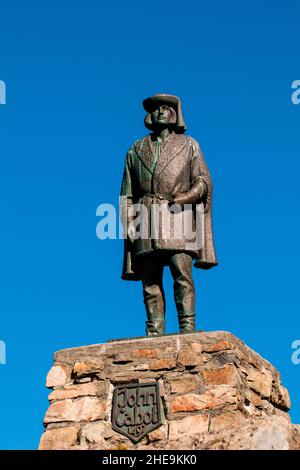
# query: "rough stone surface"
[[216, 393], [95, 433], [78, 390], [188, 358], [295, 441], [225, 375], [58, 375], [190, 425], [225, 421], [159, 434], [260, 382], [88, 367], [280, 397], [184, 384], [214, 398], [81, 409], [163, 364], [271, 433], [60, 439]]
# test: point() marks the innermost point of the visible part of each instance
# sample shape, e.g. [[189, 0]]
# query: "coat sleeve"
[[200, 178], [204, 174], [126, 215], [126, 201]]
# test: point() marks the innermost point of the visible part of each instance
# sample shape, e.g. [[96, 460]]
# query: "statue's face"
[[161, 115]]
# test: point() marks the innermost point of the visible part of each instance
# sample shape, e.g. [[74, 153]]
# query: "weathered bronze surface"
[[136, 409], [166, 167]]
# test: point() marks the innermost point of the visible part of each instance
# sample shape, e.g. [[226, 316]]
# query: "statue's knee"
[[152, 291]]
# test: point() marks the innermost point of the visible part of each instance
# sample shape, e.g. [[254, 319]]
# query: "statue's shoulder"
[[138, 144], [191, 141], [195, 147], [184, 140]]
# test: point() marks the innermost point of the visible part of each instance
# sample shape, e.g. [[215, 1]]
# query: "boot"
[[155, 325], [187, 322]]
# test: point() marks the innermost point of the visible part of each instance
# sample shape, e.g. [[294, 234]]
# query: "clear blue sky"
[[76, 73]]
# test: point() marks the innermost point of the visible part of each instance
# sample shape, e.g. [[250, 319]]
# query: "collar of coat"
[[173, 146]]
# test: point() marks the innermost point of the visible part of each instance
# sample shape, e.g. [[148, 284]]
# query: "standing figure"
[[165, 169]]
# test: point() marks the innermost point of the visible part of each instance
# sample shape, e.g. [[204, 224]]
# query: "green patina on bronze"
[[166, 167]]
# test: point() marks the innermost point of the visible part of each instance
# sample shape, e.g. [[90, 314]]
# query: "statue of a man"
[[164, 168]]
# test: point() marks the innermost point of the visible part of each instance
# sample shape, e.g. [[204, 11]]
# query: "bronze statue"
[[165, 168]]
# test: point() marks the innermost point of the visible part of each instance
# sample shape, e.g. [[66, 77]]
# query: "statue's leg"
[[154, 297], [184, 290]]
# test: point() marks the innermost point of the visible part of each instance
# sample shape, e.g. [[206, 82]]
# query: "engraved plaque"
[[136, 410]]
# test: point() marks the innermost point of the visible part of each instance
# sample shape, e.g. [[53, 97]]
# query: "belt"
[[167, 197]]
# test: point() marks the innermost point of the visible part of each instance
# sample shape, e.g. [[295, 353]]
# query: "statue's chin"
[[160, 125]]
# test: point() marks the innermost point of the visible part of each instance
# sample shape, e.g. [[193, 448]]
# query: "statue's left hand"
[[180, 199]]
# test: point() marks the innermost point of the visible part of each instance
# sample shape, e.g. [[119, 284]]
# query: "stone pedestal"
[[214, 392]]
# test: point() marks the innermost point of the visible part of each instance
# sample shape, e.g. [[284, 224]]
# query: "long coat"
[[180, 166]]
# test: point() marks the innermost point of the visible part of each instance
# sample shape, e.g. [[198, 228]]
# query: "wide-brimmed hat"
[[161, 98]]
